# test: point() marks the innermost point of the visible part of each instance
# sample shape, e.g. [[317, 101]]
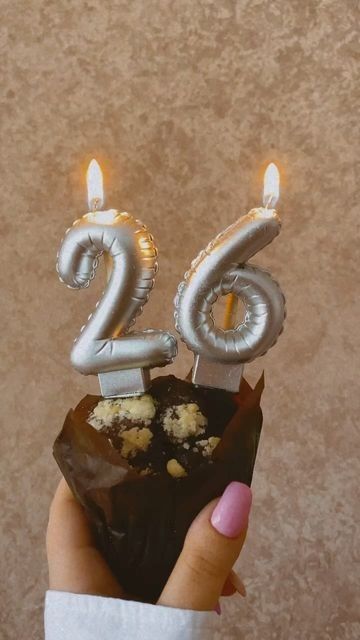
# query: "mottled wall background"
[[184, 103]]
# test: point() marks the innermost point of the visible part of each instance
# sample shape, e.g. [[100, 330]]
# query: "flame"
[[95, 188], [271, 185]]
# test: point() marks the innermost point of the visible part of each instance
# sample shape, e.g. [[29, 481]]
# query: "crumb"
[[175, 469], [195, 449], [183, 421], [208, 446], [146, 472], [138, 409], [135, 440], [103, 414], [186, 445]]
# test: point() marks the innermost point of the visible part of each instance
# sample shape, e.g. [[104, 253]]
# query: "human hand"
[[202, 573]]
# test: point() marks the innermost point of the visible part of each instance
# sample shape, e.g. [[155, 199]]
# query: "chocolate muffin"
[[143, 468]]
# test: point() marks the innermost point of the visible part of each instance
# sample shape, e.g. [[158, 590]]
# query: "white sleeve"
[[70, 616]]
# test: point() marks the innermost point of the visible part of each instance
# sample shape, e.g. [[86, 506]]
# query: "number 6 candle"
[[219, 270], [104, 346]]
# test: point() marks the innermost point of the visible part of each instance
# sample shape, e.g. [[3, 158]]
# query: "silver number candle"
[[219, 270], [104, 346]]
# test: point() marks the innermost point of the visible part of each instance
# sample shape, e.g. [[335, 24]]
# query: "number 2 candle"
[[219, 270], [122, 360]]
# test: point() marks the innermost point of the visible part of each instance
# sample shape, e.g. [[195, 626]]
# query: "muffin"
[[143, 467]]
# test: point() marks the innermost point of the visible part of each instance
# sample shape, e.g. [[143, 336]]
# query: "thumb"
[[211, 548]]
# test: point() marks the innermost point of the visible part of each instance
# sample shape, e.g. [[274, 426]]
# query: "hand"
[[202, 573]]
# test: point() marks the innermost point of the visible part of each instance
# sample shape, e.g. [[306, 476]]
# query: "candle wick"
[[268, 200], [95, 205]]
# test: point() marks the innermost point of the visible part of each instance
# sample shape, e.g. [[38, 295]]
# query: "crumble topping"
[[183, 421], [129, 421], [103, 414], [135, 440], [175, 469], [139, 408], [208, 445]]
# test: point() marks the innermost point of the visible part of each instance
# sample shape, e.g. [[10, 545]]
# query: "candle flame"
[[271, 186], [95, 188]]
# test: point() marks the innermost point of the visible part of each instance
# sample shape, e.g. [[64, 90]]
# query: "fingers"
[[68, 527], [74, 563], [233, 584], [237, 583], [228, 588], [211, 548]]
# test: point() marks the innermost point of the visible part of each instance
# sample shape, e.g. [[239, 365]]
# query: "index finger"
[[75, 564], [68, 527]]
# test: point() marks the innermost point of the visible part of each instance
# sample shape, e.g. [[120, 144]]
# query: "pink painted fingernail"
[[231, 514]]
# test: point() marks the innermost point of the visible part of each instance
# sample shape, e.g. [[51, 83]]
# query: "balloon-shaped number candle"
[[121, 359], [219, 270], [146, 456]]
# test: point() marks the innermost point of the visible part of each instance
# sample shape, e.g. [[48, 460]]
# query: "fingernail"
[[231, 514], [218, 609]]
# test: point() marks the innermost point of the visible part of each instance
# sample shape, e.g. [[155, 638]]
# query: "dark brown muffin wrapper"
[[140, 522]]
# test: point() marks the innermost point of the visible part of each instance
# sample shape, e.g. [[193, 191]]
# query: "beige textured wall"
[[184, 103]]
